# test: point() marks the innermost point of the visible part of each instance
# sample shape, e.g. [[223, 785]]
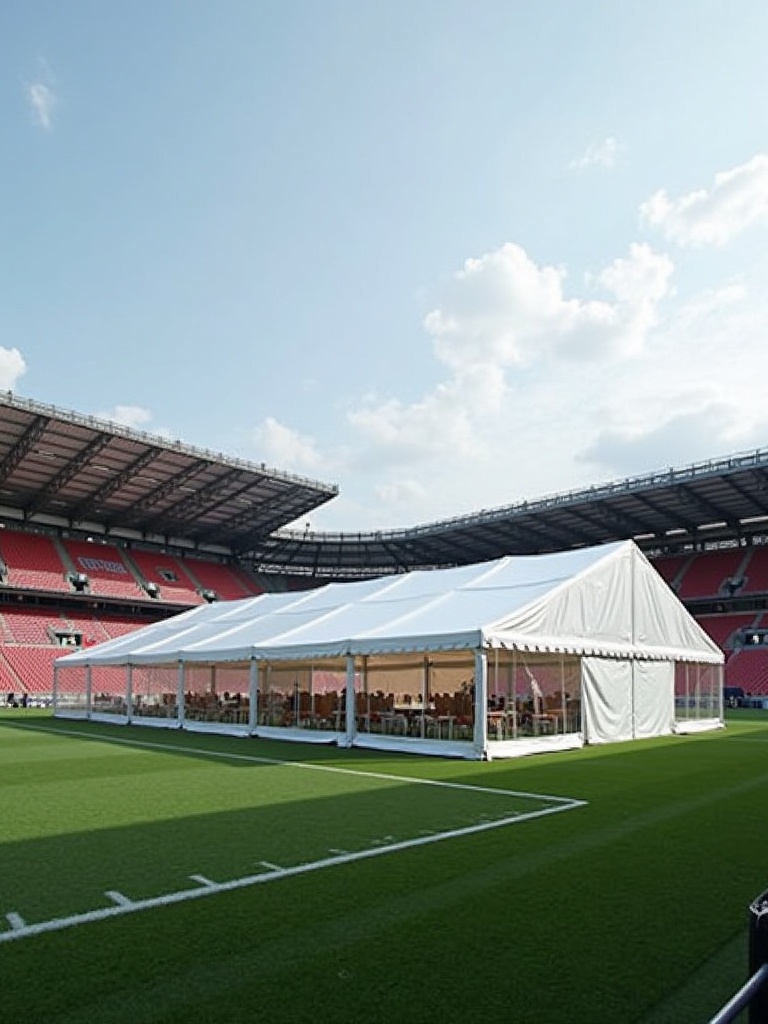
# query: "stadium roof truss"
[[721, 502], [61, 470]]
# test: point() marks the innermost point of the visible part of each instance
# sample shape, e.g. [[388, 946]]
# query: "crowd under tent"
[[508, 657]]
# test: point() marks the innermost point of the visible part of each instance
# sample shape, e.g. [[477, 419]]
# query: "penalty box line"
[[568, 802], [124, 905]]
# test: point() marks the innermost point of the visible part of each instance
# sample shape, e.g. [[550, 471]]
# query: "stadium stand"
[[756, 572], [90, 628], [93, 548], [27, 669], [724, 629], [31, 639], [671, 567], [104, 568], [748, 668], [254, 584], [31, 636], [22, 626], [96, 629], [709, 574], [225, 583], [115, 626], [33, 562], [166, 576]]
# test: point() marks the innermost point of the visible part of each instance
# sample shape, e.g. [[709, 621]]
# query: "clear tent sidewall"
[[533, 701]]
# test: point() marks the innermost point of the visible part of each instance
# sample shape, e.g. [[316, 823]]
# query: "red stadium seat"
[[33, 562]]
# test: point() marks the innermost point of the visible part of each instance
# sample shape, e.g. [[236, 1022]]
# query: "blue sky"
[[446, 255]]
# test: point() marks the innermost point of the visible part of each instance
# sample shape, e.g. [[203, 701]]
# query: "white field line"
[[123, 905], [118, 898], [206, 888]]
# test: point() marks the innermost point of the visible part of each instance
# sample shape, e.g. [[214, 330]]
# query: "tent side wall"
[[627, 700]]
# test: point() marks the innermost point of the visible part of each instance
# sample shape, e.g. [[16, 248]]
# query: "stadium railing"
[[753, 995]]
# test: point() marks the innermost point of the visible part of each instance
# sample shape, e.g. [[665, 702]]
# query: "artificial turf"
[[632, 908]]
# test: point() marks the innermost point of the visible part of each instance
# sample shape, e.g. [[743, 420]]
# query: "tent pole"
[[88, 693], [311, 685], [424, 695], [563, 700], [513, 692], [366, 717], [180, 694], [481, 705], [129, 693], [253, 690], [349, 734]]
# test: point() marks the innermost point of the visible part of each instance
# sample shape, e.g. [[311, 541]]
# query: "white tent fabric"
[[627, 700], [606, 606], [653, 704], [607, 692], [607, 601]]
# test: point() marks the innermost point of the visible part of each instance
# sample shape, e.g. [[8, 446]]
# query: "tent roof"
[[605, 600]]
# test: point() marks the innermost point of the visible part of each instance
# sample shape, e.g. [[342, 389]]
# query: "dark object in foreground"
[[754, 993]]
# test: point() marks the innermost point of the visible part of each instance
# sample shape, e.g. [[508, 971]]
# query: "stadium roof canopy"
[[703, 505], [65, 471], [62, 470]]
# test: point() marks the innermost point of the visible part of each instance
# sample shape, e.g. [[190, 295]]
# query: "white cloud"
[[518, 354], [548, 383], [398, 494], [41, 97], [504, 310], [133, 416], [682, 438], [12, 368], [284, 447], [603, 155], [397, 434], [42, 100], [737, 200], [698, 394]]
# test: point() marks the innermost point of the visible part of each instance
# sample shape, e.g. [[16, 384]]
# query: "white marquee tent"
[[501, 658]]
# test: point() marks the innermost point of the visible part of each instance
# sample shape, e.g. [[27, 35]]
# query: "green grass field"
[[156, 876]]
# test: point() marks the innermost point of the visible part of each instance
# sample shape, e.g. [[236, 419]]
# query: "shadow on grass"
[[81, 821]]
